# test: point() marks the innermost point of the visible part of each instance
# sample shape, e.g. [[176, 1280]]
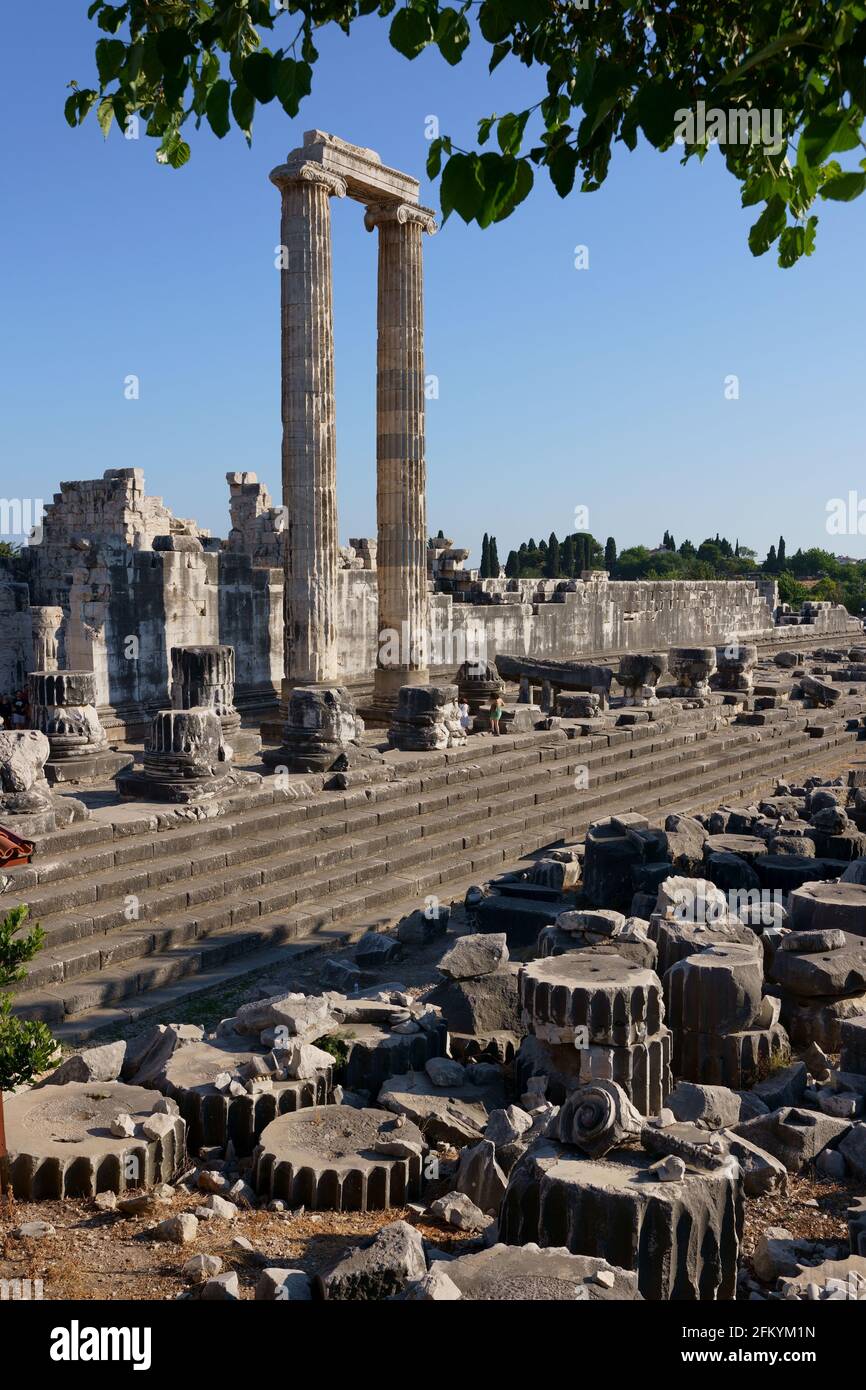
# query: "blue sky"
[[558, 388]]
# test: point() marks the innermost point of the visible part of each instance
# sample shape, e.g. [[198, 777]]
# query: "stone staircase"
[[138, 918]]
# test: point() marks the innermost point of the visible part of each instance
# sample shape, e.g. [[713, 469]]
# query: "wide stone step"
[[180, 946]]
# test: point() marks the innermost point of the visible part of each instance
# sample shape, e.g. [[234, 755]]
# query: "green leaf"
[[462, 188], [844, 188], [410, 32], [509, 132], [292, 82], [778, 45], [563, 168], [434, 159], [258, 73], [452, 35], [105, 115], [217, 108], [495, 21], [657, 105], [243, 105], [826, 135], [173, 46], [500, 51], [110, 55], [792, 244], [769, 225]]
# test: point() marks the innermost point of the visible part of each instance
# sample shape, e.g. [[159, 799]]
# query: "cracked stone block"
[[325, 1160], [714, 1106], [216, 1115], [479, 953], [676, 940], [717, 990], [457, 1115], [610, 1000], [786, 1086], [95, 1064], [378, 1270], [839, 971], [457, 1209], [529, 1273], [554, 941], [728, 1059], [480, 1177], [820, 1020], [283, 1286], [763, 1174], [487, 1004], [795, 1137], [680, 1238], [60, 1143]]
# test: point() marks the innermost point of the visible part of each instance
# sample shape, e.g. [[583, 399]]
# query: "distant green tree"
[[791, 591], [610, 554], [494, 559], [567, 557], [551, 568], [771, 563], [512, 565], [485, 557], [780, 553]]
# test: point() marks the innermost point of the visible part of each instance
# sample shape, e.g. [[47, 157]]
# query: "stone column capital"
[[404, 214], [306, 172]]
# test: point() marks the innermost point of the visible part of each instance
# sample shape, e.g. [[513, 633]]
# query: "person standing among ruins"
[[464, 716], [497, 705]]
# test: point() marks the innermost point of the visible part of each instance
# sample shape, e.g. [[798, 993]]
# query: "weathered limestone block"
[[216, 1115], [635, 948], [27, 804], [816, 906], [680, 1238], [454, 1114], [853, 1039], [820, 1020], [426, 718], [326, 1159], [733, 1059], [596, 1119], [838, 969], [379, 1269], [185, 759], [643, 1070], [607, 998], [64, 709], [480, 1177], [717, 990], [529, 1273], [321, 726], [487, 1004], [820, 694], [479, 953], [60, 1141], [734, 665], [370, 1054], [678, 940], [691, 668], [47, 641], [204, 677], [477, 683], [639, 675], [793, 1136]]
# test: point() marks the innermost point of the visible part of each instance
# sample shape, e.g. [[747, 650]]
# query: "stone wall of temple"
[[133, 581], [16, 651]]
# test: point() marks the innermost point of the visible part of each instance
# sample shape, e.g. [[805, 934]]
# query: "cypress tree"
[[493, 559], [512, 565], [567, 557], [551, 568], [610, 554], [485, 557], [780, 556]]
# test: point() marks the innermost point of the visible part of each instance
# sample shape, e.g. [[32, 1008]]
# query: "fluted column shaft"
[[401, 483], [309, 423]]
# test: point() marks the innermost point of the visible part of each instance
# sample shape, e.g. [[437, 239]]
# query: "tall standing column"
[[401, 502], [309, 424]]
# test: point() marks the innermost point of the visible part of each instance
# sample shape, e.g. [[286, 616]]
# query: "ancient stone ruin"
[[523, 919]]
